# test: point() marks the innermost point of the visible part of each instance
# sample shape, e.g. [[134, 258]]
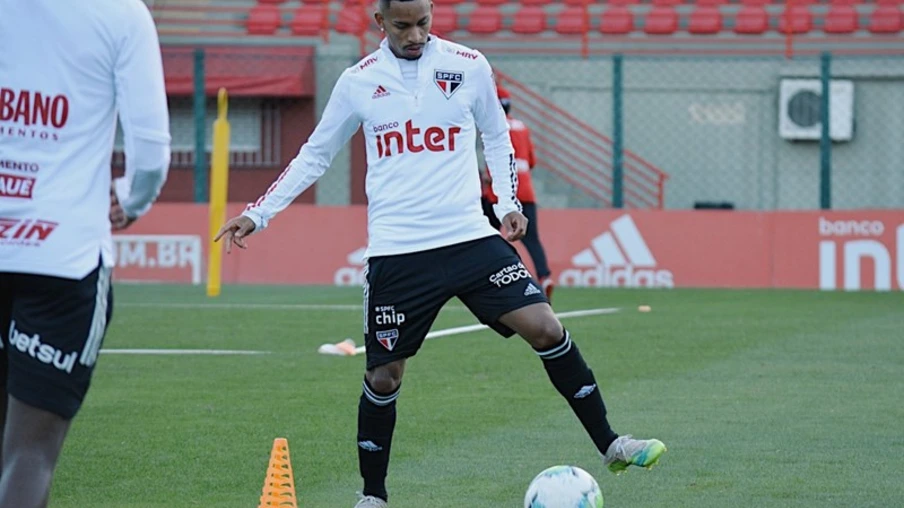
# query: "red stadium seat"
[[315, 1], [535, 2], [885, 19], [484, 19], [491, 2], [439, 3], [841, 19], [445, 19], [756, 3], [890, 2], [617, 20], [661, 21], [710, 3], [751, 20], [705, 20], [623, 2], [308, 20], [529, 20], [571, 21], [845, 2], [667, 3], [576, 2], [797, 21], [263, 20], [352, 21], [273, 2]]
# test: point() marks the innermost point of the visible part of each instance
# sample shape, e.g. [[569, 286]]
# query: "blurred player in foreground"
[[525, 160], [421, 100], [65, 70]]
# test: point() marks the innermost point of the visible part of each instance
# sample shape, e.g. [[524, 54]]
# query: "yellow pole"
[[219, 183]]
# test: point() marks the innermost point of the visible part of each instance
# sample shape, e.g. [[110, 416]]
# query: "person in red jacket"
[[525, 160]]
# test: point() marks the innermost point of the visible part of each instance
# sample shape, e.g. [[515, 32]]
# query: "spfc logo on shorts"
[[388, 338], [448, 81]]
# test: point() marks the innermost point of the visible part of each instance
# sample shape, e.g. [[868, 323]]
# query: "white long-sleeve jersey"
[[66, 69], [422, 182]]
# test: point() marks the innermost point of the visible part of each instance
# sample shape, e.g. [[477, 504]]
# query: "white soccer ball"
[[563, 487]]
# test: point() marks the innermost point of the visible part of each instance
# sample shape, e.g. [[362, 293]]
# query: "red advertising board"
[[586, 248]]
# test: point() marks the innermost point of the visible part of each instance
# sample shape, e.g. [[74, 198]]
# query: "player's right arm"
[[143, 114], [337, 125]]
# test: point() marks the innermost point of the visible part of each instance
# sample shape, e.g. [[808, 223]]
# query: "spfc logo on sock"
[[448, 81], [388, 338]]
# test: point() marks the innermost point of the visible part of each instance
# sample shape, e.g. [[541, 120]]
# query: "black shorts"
[[403, 294], [52, 330]]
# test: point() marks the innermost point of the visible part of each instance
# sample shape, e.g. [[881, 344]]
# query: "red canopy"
[[242, 70]]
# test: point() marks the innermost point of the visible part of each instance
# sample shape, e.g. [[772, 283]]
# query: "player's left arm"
[[498, 151], [143, 114]]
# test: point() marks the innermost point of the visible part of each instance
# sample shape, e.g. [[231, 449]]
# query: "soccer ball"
[[563, 487]]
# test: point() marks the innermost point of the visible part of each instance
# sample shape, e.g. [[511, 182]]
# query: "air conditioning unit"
[[800, 102]]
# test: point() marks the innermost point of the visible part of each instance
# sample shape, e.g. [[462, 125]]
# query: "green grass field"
[[765, 399]]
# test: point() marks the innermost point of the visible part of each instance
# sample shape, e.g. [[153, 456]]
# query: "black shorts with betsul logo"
[[404, 293], [52, 329]]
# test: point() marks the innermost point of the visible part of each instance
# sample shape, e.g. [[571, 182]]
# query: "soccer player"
[[66, 68], [420, 101], [525, 160]]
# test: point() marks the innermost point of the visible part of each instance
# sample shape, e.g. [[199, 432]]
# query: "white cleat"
[[370, 502]]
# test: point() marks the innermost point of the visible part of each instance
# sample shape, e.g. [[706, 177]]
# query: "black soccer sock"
[[574, 380], [376, 421]]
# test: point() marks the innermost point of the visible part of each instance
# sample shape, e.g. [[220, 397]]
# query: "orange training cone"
[[279, 485]]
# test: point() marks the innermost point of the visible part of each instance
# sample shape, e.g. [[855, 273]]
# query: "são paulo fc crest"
[[448, 81], [388, 338]]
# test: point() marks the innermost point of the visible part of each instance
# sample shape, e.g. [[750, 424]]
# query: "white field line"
[[263, 306], [473, 328], [212, 352]]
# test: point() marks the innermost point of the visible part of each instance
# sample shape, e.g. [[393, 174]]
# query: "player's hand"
[[235, 232], [516, 225], [118, 218]]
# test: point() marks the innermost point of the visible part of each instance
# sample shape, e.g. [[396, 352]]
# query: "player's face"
[[406, 25]]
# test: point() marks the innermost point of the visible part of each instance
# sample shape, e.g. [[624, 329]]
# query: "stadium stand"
[[859, 19]]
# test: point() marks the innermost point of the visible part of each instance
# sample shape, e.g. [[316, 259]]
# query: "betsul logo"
[[617, 258], [855, 251]]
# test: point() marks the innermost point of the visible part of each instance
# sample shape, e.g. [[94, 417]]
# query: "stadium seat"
[[308, 20], [667, 3], [445, 19], [751, 20], [845, 2], [840, 19], [529, 20], [576, 2], [755, 3], [485, 19], [617, 20], [439, 3], [710, 3], [571, 21], [885, 19], [661, 21], [535, 2], [263, 20], [890, 2], [273, 2], [797, 21], [352, 21], [492, 2], [624, 2], [705, 20]]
